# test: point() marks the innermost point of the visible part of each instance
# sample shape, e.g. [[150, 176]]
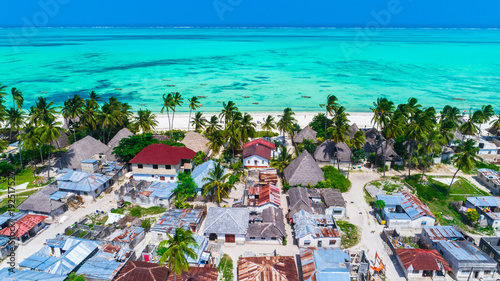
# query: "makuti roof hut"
[[303, 170], [329, 150], [196, 142], [305, 134], [115, 141], [79, 151]]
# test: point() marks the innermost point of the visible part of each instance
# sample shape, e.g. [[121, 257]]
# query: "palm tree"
[[2, 96], [108, 117], [465, 159], [382, 111], [286, 121], [495, 123], [234, 132], [89, 116], [330, 106], [247, 129], [431, 144], [145, 121], [177, 100], [228, 111], [199, 121], [168, 101], [217, 183], [30, 140], [269, 124], [178, 247], [212, 126], [483, 115], [94, 99], [15, 120], [43, 109], [469, 127], [419, 126], [193, 105], [72, 110], [358, 140], [49, 132], [17, 98], [216, 141], [450, 115], [281, 162]]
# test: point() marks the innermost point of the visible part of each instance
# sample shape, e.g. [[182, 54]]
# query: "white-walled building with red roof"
[[258, 153], [161, 162]]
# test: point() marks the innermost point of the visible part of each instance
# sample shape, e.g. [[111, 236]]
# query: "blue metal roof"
[[395, 216], [201, 172], [162, 190], [89, 161], [104, 265], [390, 200], [483, 201], [14, 216], [28, 275], [464, 251], [58, 195], [202, 245], [442, 231], [330, 264], [81, 181]]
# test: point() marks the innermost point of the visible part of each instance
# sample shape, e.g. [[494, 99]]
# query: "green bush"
[[398, 167], [261, 134], [199, 158], [5, 168], [358, 155], [381, 169], [334, 179], [236, 165], [117, 211], [136, 211], [286, 186]]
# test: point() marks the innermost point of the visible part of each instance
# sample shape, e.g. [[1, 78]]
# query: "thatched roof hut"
[[303, 170], [115, 141], [372, 143], [40, 203], [329, 150], [196, 142], [306, 133], [299, 200], [79, 151], [352, 130], [62, 141], [387, 149]]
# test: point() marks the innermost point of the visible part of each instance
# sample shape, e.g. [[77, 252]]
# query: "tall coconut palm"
[[3, 93], [31, 140], [450, 115], [431, 144], [469, 127], [382, 111], [228, 111], [17, 98], [495, 123], [419, 126], [194, 103], [233, 131], [109, 117], [145, 121], [281, 161], [15, 120], [217, 183], [94, 99], [247, 129], [49, 132], [168, 103], [410, 108], [286, 121], [212, 125], [43, 109], [269, 124], [330, 106], [216, 141], [89, 116], [483, 115], [178, 248], [177, 100], [358, 140], [199, 121], [465, 159], [72, 110]]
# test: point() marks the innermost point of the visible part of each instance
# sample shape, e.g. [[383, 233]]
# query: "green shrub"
[[117, 211], [136, 211], [199, 158], [5, 168], [398, 167], [334, 179], [381, 169], [261, 134], [286, 186], [236, 165]]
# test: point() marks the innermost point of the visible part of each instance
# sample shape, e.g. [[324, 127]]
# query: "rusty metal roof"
[[442, 232], [269, 194], [207, 273], [142, 271], [422, 259], [281, 268], [175, 218], [23, 225]]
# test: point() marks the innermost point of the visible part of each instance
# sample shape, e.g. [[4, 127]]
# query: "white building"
[[258, 153], [228, 225], [405, 210], [316, 230]]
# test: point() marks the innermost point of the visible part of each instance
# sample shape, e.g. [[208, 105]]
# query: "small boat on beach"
[[201, 97], [460, 99], [118, 89], [306, 97], [246, 97]]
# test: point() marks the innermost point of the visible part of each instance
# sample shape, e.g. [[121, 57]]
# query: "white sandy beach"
[[362, 119]]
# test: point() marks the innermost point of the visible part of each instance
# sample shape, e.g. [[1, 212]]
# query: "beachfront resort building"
[[315, 230], [422, 264], [280, 268], [161, 162], [488, 208], [258, 153], [405, 210], [303, 171], [229, 225]]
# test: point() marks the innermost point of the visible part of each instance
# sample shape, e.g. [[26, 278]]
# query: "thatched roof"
[[303, 170], [196, 142], [326, 152], [371, 140], [115, 141], [62, 141], [299, 200], [387, 148], [306, 133], [79, 151], [352, 130], [40, 202], [494, 131], [457, 136]]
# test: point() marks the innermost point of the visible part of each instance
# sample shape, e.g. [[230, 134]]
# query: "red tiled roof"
[[162, 154], [142, 271], [269, 193], [421, 259], [257, 149], [23, 225], [262, 142], [146, 193]]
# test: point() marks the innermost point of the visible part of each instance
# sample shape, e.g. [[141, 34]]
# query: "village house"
[[327, 201], [15, 274], [330, 152], [206, 273], [269, 268], [316, 230], [161, 162], [490, 178], [41, 203], [202, 255], [488, 208], [268, 176], [229, 225], [11, 217], [260, 198], [491, 246], [258, 153], [432, 234], [405, 210], [24, 228], [146, 271], [128, 237], [115, 142], [467, 260], [79, 151], [298, 201], [201, 172], [196, 142], [188, 219], [61, 255], [156, 194], [305, 134], [320, 264], [303, 171], [105, 264], [83, 183], [422, 264], [267, 227]]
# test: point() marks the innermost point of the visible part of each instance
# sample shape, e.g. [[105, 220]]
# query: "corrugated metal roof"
[[128, 234], [23, 225], [422, 259], [81, 181], [464, 251], [484, 201], [106, 263], [269, 194], [175, 218], [13, 216], [440, 232], [390, 200], [324, 264], [142, 271], [280, 268], [314, 225], [162, 190], [202, 243], [28, 275], [58, 195], [414, 208]]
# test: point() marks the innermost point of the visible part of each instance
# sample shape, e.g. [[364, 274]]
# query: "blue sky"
[[391, 13]]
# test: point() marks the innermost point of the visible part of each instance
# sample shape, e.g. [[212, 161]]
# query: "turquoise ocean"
[[262, 70]]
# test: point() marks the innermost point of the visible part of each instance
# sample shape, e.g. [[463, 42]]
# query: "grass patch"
[[25, 175], [370, 200], [69, 232], [138, 211], [83, 233], [351, 237]]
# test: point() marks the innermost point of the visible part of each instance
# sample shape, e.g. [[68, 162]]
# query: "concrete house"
[[267, 227], [260, 198], [128, 237], [161, 162], [422, 264], [491, 246], [433, 234], [405, 210], [488, 208], [316, 230], [303, 171], [258, 153], [490, 178], [327, 201], [320, 264], [24, 228], [201, 172], [105, 264], [467, 260], [229, 225], [83, 183], [41, 203], [281, 268], [298, 201], [188, 219]]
